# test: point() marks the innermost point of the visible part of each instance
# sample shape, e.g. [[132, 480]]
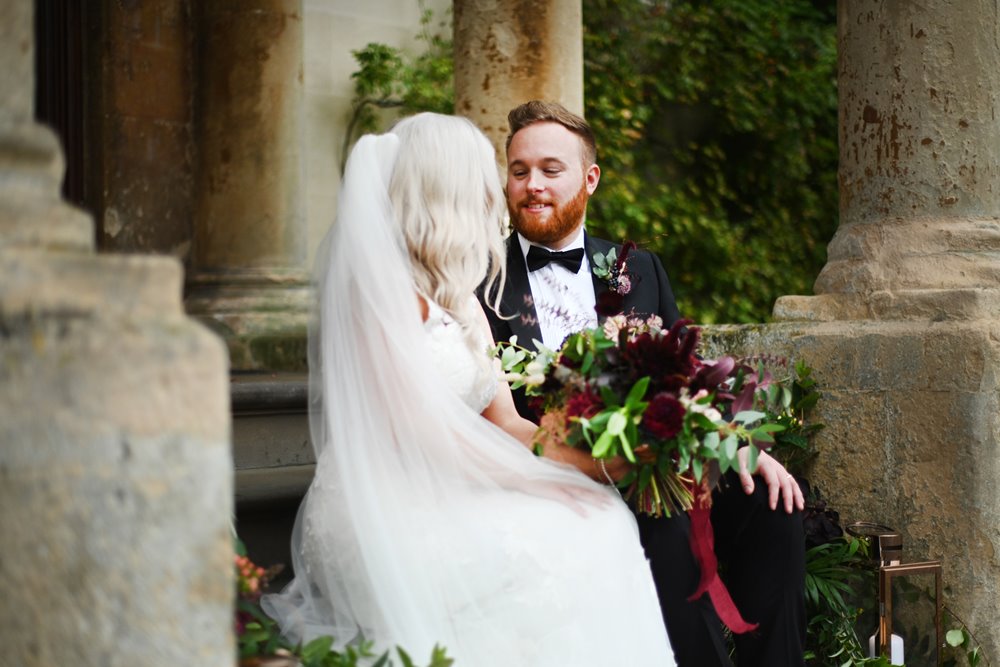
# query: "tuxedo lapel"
[[592, 247], [517, 298], [640, 268], [597, 246]]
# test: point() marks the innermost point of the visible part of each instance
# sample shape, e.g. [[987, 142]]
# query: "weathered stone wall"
[[141, 160], [115, 467], [912, 438], [904, 331]]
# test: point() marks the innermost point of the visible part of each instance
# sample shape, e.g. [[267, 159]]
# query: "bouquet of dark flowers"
[[632, 389], [632, 383]]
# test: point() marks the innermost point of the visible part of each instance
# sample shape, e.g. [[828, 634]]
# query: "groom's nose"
[[534, 181]]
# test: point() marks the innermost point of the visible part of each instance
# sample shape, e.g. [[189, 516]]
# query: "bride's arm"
[[501, 411]]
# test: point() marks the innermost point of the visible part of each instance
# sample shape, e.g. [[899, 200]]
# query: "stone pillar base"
[[31, 193], [912, 414], [115, 469], [262, 316]]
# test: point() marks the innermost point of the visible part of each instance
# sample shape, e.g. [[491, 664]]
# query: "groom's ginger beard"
[[561, 222]]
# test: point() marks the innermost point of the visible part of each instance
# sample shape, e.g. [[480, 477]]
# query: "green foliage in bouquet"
[[787, 400], [632, 384]]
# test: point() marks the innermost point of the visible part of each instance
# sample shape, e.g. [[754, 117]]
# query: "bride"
[[426, 523]]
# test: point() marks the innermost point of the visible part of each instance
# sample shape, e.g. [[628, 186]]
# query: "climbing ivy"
[[717, 137]]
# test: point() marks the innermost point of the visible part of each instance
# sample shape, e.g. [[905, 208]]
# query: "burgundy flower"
[[664, 417], [710, 375], [584, 404], [536, 404], [627, 247], [745, 399], [609, 303], [669, 360]]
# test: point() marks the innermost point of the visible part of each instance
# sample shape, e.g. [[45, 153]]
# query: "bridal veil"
[[426, 524]]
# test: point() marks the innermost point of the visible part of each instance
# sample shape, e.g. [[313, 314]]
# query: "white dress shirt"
[[564, 301]]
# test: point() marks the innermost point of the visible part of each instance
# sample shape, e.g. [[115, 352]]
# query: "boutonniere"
[[612, 268]]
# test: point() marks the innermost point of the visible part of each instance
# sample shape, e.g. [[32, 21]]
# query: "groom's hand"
[[779, 481], [619, 466]]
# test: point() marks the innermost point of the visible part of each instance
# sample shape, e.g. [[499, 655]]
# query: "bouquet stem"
[[663, 495]]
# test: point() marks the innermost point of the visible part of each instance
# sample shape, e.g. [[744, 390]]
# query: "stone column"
[[141, 167], [115, 466], [903, 330], [507, 53], [919, 102], [249, 281]]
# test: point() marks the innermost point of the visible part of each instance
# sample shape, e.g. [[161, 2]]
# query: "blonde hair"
[[447, 199]]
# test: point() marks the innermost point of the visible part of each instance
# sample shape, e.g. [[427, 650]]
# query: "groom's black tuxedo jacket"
[[650, 295]]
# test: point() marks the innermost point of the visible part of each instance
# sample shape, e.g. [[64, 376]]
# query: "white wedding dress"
[[425, 523]]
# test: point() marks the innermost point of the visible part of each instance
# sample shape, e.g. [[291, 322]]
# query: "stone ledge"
[[39, 281], [935, 305], [272, 452]]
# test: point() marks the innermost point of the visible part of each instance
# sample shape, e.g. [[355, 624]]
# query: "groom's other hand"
[[780, 483]]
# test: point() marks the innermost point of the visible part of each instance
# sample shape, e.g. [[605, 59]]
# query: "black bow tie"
[[539, 257]]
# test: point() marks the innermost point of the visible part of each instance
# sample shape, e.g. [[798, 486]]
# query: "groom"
[[552, 292]]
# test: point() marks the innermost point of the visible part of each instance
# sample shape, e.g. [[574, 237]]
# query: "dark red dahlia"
[[584, 404], [668, 359], [609, 303], [627, 247], [664, 417]]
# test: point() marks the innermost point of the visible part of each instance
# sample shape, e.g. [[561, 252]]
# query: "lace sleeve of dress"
[[466, 371]]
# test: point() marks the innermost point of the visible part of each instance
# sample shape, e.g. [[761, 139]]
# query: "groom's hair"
[[537, 111]]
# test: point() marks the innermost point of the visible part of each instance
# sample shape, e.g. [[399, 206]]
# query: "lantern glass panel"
[[911, 595]]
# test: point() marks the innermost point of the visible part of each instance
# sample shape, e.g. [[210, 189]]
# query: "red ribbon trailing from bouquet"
[[703, 548]]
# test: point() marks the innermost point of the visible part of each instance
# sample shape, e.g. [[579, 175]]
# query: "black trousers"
[[762, 559]]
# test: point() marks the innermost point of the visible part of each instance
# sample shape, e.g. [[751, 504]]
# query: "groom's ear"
[[592, 178]]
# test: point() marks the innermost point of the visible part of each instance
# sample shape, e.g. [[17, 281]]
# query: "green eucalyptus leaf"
[[317, 649], [439, 658], [701, 421], [626, 448], [603, 445], [600, 420], [955, 637], [729, 447], [747, 416], [637, 392], [608, 396], [404, 657], [617, 423]]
